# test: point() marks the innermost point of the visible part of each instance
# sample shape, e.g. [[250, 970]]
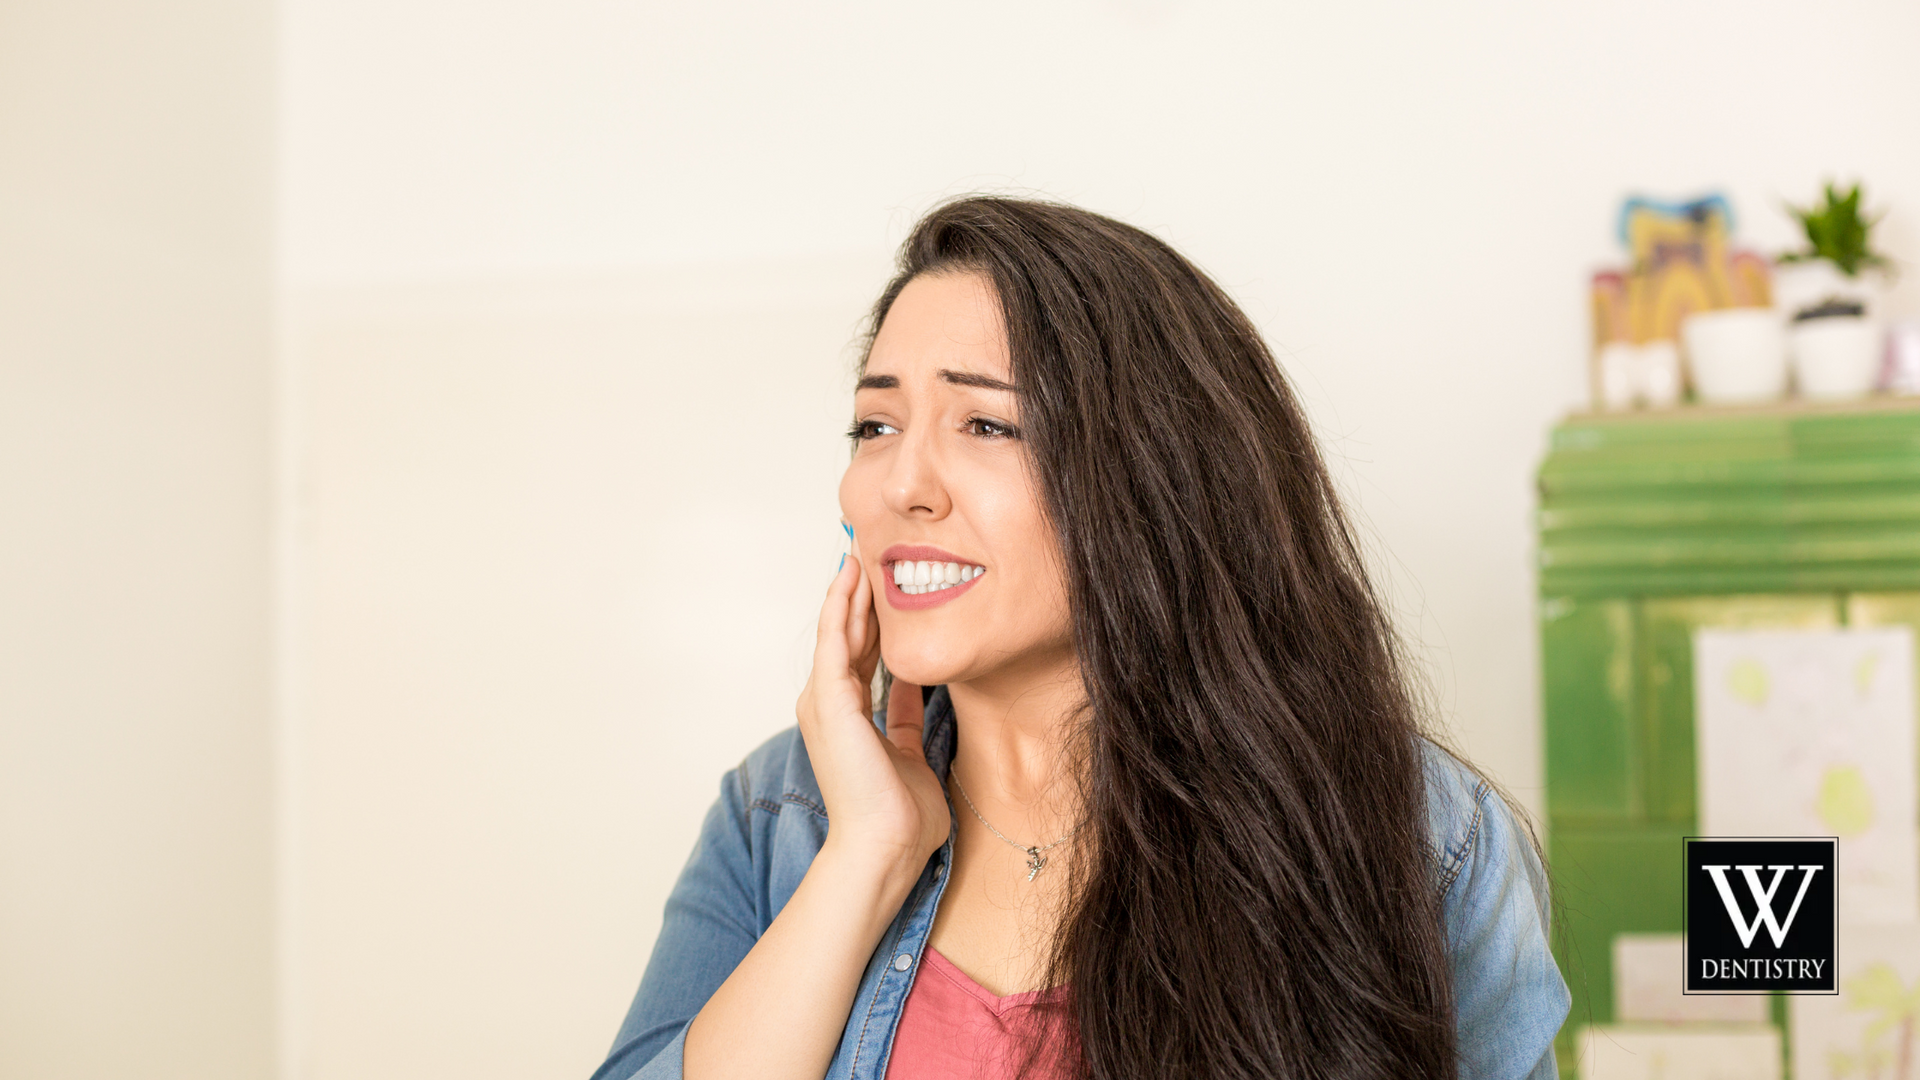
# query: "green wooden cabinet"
[[1650, 527], [1587, 652]]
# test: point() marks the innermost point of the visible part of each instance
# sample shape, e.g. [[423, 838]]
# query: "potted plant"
[[1828, 291]]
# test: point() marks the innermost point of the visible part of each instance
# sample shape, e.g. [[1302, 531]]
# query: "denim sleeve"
[[1508, 994], [710, 925]]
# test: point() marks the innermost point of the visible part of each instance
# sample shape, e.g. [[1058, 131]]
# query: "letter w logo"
[[1762, 898]]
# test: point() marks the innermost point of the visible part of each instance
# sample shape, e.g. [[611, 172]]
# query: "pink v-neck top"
[[951, 1028]]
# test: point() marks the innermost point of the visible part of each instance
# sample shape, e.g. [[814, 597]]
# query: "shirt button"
[[902, 962]]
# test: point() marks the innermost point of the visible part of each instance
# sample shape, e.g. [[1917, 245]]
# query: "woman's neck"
[[1014, 738]]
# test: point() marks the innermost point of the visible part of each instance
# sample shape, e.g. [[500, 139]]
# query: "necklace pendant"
[[1036, 862]]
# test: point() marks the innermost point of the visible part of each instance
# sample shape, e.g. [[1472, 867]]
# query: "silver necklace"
[[1036, 856]]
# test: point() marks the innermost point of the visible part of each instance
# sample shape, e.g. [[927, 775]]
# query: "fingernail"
[[843, 563], [849, 529]]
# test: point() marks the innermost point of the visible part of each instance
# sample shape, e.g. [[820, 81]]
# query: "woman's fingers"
[[830, 644], [868, 658], [862, 627]]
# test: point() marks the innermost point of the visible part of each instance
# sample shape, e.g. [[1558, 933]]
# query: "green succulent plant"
[[1837, 232]]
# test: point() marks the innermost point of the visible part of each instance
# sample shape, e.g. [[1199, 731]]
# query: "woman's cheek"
[[860, 485]]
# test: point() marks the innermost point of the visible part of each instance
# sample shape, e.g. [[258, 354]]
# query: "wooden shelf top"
[[1787, 407]]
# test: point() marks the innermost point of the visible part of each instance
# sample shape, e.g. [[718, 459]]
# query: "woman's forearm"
[[780, 1014]]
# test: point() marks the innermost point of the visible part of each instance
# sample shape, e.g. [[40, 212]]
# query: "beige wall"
[[136, 826]]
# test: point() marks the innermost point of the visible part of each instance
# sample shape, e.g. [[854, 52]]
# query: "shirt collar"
[[939, 736]]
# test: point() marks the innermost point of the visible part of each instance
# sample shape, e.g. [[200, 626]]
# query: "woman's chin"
[[914, 666]]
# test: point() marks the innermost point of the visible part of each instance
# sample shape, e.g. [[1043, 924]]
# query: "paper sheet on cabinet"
[[1811, 733]]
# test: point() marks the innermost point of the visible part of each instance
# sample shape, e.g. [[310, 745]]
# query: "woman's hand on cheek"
[[883, 802]]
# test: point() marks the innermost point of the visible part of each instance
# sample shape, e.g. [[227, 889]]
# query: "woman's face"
[[940, 488]]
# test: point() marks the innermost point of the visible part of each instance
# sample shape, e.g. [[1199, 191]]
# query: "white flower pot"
[[1798, 286], [1836, 357], [1737, 356]]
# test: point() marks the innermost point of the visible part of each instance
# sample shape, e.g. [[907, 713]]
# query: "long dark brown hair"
[[1254, 895]]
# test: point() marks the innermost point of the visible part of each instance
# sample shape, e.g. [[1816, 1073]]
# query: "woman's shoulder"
[[1509, 997], [777, 775], [1456, 808], [1469, 825]]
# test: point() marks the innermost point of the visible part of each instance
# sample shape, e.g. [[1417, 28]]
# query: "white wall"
[[564, 485], [136, 826]]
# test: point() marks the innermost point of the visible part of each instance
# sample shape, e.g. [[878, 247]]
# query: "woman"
[[1148, 796]]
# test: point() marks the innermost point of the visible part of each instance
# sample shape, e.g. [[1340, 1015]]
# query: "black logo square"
[[1760, 915]]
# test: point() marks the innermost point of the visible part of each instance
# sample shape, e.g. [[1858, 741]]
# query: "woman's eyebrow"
[[957, 378], [968, 378]]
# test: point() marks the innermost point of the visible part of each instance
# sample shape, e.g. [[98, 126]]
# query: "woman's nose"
[[914, 485]]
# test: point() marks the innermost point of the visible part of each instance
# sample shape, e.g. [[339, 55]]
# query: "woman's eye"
[[862, 430], [992, 429]]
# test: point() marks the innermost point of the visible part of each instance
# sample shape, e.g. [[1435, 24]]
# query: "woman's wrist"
[[881, 869]]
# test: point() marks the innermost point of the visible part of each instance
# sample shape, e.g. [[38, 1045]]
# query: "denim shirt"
[[770, 821]]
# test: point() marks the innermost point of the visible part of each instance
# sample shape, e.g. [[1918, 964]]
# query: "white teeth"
[[923, 576]]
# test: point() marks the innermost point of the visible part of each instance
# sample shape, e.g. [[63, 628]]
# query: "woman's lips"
[[895, 559]]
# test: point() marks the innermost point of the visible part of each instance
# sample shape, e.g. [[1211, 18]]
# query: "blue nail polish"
[[843, 563], [849, 529]]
